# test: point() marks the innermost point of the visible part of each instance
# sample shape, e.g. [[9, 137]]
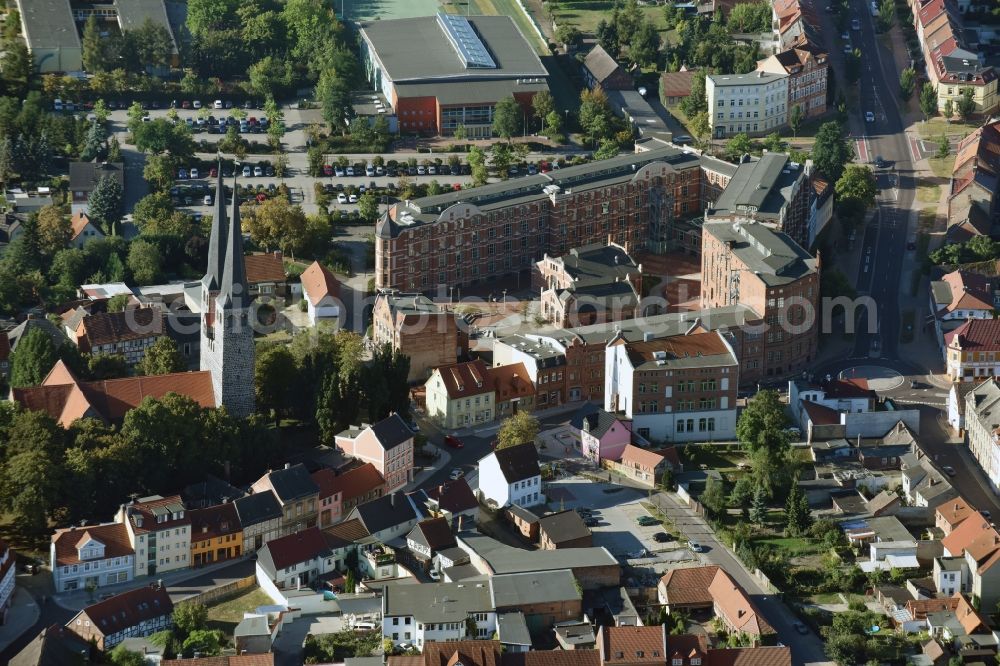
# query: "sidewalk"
[[440, 462], [80, 599], [22, 616]]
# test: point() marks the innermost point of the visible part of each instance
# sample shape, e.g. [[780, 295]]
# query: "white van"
[[57, 105], [364, 626]]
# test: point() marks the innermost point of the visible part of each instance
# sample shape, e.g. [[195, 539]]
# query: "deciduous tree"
[[507, 118], [161, 358], [966, 103], [830, 151], [54, 230], [521, 428], [32, 359], [145, 262], [928, 100]]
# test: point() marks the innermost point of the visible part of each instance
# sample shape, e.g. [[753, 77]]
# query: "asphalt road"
[[885, 240]]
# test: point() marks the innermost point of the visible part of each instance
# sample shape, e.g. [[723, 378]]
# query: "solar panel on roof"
[[464, 39]]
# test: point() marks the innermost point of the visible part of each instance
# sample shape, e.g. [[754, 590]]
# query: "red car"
[[453, 442], [213, 172], [185, 104], [456, 187], [327, 170]]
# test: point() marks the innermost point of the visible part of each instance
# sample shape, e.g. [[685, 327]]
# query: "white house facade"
[[93, 556], [512, 476]]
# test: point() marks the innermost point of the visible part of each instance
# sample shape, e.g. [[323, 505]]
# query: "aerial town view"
[[499, 332]]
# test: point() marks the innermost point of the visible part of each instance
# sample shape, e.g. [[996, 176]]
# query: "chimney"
[[31, 315], [288, 465], [460, 522]]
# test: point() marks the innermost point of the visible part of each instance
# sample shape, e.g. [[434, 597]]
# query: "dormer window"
[[695, 661]]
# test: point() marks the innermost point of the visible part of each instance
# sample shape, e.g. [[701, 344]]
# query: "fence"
[[223, 592]]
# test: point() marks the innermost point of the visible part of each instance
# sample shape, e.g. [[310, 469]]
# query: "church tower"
[[227, 347]]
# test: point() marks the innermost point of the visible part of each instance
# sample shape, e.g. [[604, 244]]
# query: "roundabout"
[[880, 378]]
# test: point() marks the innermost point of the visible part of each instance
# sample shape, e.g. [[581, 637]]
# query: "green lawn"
[[712, 457], [228, 614], [825, 598], [942, 166], [586, 14], [926, 219], [935, 127], [792, 546], [928, 192]]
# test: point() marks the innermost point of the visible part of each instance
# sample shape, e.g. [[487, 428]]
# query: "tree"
[[118, 302], [207, 642], [93, 48], [773, 142], [944, 147], [160, 135], [749, 17], [858, 183], [274, 378], [368, 206], [54, 230], [144, 262], [949, 109], [700, 126], [276, 224], [714, 497], [507, 118], [798, 515], [795, 117], [607, 150], [758, 506], [521, 428], [189, 617], [644, 48], [761, 428], [830, 151], [107, 366], [16, 63], [928, 100], [966, 105], [122, 656], [907, 82], [738, 146], [161, 358], [568, 34], [696, 102], [32, 359], [542, 104], [104, 206]]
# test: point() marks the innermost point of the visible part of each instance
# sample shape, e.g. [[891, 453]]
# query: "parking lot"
[[617, 510]]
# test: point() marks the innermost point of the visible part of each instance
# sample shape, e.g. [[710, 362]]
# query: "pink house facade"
[[388, 445], [603, 436]]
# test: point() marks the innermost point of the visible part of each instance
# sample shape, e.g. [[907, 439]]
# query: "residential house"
[[959, 296], [266, 274], [711, 587], [85, 176], [231, 660], [452, 499], [511, 476], [544, 598], [16, 334], [820, 210], [339, 493], [762, 108], [429, 536], [159, 531], [575, 635], [545, 360], [632, 646], [611, 606], [603, 436], [982, 419], [806, 67], [492, 653], [592, 284], [66, 399], [321, 291], [951, 514], [973, 196], [646, 467], [294, 560], [460, 395], [957, 396], [127, 333], [297, 494], [83, 230], [563, 529], [964, 630], [675, 86], [388, 445], [216, 534], [512, 390], [253, 635], [391, 516], [643, 382], [260, 517], [978, 542], [951, 575], [419, 328], [601, 70], [95, 555], [923, 484], [972, 350], [890, 544], [211, 491], [419, 614], [139, 612], [886, 503], [54, 646]]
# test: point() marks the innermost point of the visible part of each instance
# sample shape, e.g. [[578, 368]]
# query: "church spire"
[[233, 290], [216, 239]]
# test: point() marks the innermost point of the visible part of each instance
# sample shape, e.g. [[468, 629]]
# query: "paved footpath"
[[23, 614]]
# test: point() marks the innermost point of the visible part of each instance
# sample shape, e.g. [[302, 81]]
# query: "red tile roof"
[[643, 457], [954, 511], [318, 283], [686, 646], [688, 586], [108, 328], [79, 222], [298, 547], [350, 484], [126, 609], [436, 533], [465, 379], [821, 414], [732, 602], [114, 536], [511, 381], [974, 530], [144, 512], [969, 291], [676, 84], [975, 335], [633, 645], [214, 521], [240, 660], [751, 656], [264, 268]]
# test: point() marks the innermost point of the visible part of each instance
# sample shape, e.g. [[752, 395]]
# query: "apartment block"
[[418, 327], [807, 67], [750, 264], [159, 531], [755, 104]]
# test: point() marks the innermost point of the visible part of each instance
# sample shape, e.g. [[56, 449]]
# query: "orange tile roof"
[[919, 609], [350, 484], [633, 644], [114, 536], [735, 605], [976, 335], [969, 291], [975, 533], [689, 586], [235, 660], [318, 283], [511, 381], [59, 374], [954, 511], [643, 457], [465, 379], [676, 84], [970, 618], [266, 267], [79, 222], [762, 655], [143, 512], [103, 328], [686, 646]]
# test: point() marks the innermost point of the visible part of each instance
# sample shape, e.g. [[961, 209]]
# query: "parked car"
[[369, 171], [194, 172], [432, 170], [456, 474], [421, 170], [327, 170], [339, 172], [247, 172], [350, 171], [196, 104], [257, 171], [341, 198], [207, 200], [869, 117], [352, 198], [661, 537], [454, 442], [801, 628], [949, 470], [434, 575], [695, 546], [182, 174], [591, 521], [217, 104], [647, 521]]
